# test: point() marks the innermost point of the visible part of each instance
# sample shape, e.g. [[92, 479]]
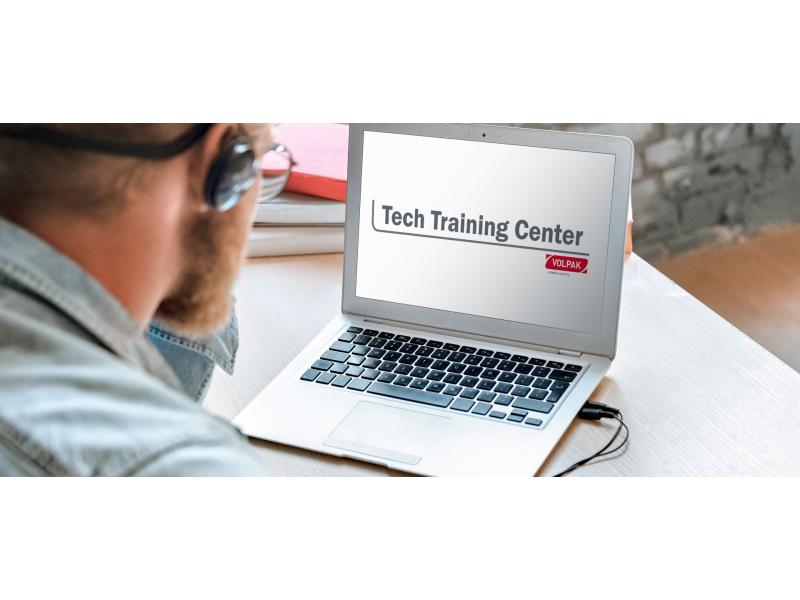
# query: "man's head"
[[141, 226]]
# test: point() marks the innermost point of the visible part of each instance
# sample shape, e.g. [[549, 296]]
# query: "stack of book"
[[308, 216]]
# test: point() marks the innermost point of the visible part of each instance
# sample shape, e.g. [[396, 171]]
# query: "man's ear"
[[203, 156]]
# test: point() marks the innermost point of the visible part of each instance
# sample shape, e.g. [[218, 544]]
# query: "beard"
[[214, 248]]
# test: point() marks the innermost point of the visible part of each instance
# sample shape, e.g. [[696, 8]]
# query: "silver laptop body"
[[480, 301]]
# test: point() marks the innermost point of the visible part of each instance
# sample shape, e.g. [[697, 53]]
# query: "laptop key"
[[485, 384], [456, 356], [558, 385], [473, 370], [573, 368], [473, 359], [524, 379], [533, 421], [555, 364], [370, 374], [502, 355], [403, 369], [402, 338], [486, 396], [491, 363], [452, 390], [481, 408], [562, 375], [507, 377], [456, 367], [523, 368], [452, 378], [410, 394], [419, 372], [347, 337], [361, 339], [322, 365], [354, 329], [339, 368], [418, 340], [542, 383], [434, 344], [503, 388], [341, 381], [436, 375], [515, 418], [354, 371], [376, 353], [403, 380], [497, 414], [504, 399], [519, 358], [484, 352], [536, 361], [377, 343], [541, 372], [370, 332], [407, 359], [387, 365], [468, 349], [325, 378], [435, 386], [470, 381], [506, 365], [359, 385], [440, 353], [419, 384], [335, 356], [490, 374], [310, 375], [360, 350], [408, 348], [555, 396], [451, 347], [386, 335], [424, 362], [462, 404], [393, 345], [520, 390], [424, 351], [469, 393], [355, 360], [534, 405], [393, 356], [516, 411], [440, 365], [538, 394], [370, 363], [387, 377]]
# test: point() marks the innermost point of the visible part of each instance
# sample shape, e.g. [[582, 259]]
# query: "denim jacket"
[[84, 391]]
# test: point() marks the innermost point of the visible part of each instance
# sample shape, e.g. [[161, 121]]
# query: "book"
[[283, 241], [299, 209], [320, 151]]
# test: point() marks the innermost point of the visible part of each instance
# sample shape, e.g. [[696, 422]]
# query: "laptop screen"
[[518, 233]]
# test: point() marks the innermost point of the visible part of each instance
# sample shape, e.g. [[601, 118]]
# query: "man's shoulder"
[[80, 410]]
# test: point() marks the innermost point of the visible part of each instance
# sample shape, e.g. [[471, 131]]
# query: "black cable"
[[595, 411]]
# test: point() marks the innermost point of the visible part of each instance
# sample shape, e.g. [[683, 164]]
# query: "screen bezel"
[[603, 343]]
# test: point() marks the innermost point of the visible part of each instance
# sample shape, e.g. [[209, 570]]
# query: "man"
[[118, 251]]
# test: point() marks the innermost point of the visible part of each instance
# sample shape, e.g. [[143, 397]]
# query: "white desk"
[[699, 397]]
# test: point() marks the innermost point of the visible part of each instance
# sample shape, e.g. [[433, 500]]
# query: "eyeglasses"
[[276, 167]]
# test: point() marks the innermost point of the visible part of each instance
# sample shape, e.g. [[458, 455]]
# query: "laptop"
[[480, 301]]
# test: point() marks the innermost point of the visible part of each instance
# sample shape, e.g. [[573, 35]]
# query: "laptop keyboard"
[[506, 387]]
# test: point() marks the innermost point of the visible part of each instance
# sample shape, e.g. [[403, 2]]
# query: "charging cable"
[[594, 411]]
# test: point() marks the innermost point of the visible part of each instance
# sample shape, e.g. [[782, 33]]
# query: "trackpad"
[[395, 434]]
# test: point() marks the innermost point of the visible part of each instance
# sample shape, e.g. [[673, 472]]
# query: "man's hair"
[[36, 178]]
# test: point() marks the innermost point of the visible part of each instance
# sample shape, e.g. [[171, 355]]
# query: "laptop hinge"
[[569, 352]]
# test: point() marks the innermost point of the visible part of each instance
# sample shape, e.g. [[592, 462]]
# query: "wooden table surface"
[[699, 396]]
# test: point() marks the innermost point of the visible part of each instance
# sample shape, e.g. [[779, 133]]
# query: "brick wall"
[[697, 184]]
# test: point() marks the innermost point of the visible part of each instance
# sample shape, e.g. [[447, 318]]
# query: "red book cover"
[[320, 151]]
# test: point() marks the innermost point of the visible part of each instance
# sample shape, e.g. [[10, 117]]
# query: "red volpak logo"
[[573, 264]]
